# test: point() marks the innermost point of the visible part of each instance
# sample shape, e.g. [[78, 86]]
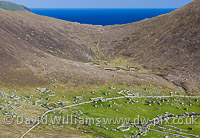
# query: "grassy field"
[[104, 117]]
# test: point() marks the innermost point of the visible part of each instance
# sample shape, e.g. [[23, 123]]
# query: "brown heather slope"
[[35, 49], [169, 45]]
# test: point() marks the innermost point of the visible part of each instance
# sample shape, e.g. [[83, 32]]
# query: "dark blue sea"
[[102, 16]]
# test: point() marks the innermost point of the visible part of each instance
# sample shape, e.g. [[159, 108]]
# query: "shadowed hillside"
[[36, 50]]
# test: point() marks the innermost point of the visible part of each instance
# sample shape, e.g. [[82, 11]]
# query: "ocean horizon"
[[101, 16]]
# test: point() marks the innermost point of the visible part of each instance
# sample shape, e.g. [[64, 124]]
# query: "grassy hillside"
[[50, 67], [12, 6]]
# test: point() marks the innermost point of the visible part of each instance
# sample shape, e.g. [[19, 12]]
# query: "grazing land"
[[64, 79]]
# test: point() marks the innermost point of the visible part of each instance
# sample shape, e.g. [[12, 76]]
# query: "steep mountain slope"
[[168, 44], [12, 6], [55, 68], [36, 49]]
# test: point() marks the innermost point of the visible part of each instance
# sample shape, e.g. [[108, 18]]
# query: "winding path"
[[113, 98]]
